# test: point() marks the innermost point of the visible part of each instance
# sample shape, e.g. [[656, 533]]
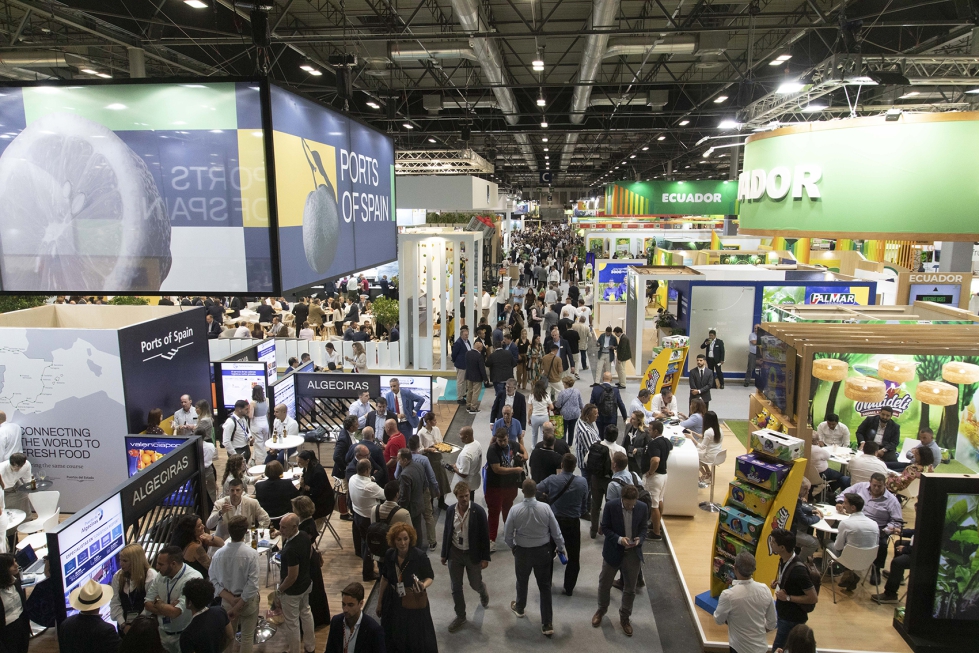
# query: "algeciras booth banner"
[[864, 177], [707, 197]]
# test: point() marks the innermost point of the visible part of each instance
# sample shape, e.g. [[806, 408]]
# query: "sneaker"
[[884, 597], [484, 599], [433, 545], [492, 546], [457, 623], [620, 386], [513, 609], [547, 629]]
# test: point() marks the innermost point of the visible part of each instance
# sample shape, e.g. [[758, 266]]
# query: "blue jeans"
[[500, 388], [782, 633]]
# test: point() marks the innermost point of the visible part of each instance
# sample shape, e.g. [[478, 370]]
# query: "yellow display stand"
[[665, 369], [780, 516]]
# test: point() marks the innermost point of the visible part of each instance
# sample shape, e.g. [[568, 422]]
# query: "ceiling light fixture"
[[909, 94], [374, 105], [684, 123], [544, 139], [407, 126], [89, 71], [720, 98], [543, 124], [813, 107], [973, 91], [790, 87], [645, 148], [661, 138], [431, 140], [541, 101], [104, 75], [312, 71], [782, 58], [729, 124], [893, 114], [196, 4], [538, 64]]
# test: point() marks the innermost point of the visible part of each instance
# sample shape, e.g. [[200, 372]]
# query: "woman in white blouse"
[[708, 445], [306, 333], [429, 434], [129, 586], [333, 359]]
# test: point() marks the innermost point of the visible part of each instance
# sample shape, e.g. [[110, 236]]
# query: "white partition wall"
[[431, 264]]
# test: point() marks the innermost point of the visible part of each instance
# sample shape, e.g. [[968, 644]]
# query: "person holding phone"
[[624, 526]]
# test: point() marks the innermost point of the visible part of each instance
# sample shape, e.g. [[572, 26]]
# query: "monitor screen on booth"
[[164, 184], [420, 386], [334, 181], [238, 379], [284, 392], [266, 354], [89, 548]]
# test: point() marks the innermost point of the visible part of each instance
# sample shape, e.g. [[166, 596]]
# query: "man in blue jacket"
[[405, 405], [352, 631], [465, 547], [624, 527], [459, 350]]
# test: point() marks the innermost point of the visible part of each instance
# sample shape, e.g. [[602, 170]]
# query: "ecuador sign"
[[864, 178], [671, 198]]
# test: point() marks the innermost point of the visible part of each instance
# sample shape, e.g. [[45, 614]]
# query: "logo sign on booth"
[[158, 481], [864, 178], [337, 385], [707, 197], [832, 298]]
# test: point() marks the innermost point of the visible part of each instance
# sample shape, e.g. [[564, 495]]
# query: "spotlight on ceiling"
[[813, 107], [196, 4], [645, 148], [543, 124], [780, 59], [720, 98], [407, 125], [374, 105], [541, 101], [790, 87], [661, 138], [729, 124], [684, 123], [538, 64]]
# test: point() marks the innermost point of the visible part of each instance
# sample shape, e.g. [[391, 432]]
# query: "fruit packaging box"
[[724, 570], [731, 546], [777, 445], [762, 472], [751, 498], [741, 524]]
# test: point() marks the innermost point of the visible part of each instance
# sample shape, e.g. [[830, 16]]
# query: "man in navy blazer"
[[622, 551], [352, 626], [510, 397], [459, 350], [465, 550], [405, 405], [564, 349]]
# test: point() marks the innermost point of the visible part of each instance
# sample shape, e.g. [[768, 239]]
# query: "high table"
[[285, 443], [683, 469]]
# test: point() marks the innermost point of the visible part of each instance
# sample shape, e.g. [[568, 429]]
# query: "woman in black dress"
[[407, 620], [315, 484], [190, 535], [15, 635], [318, 603]]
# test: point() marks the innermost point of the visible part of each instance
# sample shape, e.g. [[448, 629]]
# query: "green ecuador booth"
[[912, 178]]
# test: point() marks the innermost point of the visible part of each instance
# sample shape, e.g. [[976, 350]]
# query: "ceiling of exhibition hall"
[[589, 90]]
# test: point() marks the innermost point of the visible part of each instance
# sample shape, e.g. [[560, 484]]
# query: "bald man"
[[295, 585], [185, 419]]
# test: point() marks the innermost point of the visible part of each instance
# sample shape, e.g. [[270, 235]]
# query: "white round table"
[[15, 518], [287, 442], [257, 470]]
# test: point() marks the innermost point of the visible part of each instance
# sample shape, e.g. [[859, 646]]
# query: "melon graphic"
[[79, 211]]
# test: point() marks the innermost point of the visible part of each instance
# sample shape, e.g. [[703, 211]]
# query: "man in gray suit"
[[411, 496]]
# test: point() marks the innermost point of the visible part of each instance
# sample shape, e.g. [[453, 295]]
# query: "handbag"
[[414, 600], [341, 497], [558, 422]]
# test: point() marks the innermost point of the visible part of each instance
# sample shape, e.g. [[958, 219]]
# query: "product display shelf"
[[757, 402], [747, 520], [665, 369]]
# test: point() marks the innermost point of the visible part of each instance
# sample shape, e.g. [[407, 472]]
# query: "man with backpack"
[[465, 547], [364, 495], [599, 466], [795, 594], [383, 517], [622, 478], [606, 397], [566, 492]]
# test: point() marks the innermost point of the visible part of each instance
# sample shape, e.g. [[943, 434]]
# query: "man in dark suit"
[[701, 380], [510, 397], [344, 444], [381, 413], [715, 355], [475, 376], [301, 311], [459, 349], [465, 547], [624, 526], [86, 631], [265, 312], [385, 285], [353, 631], [213, 327], [216, 310], [563, 349], [605, 418], [186, 302], [884, 423], [500, 364], [360, 451], [236, 305], [165, 301]]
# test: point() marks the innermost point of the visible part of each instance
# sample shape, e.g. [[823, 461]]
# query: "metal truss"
[[441, 162], [853, 70]]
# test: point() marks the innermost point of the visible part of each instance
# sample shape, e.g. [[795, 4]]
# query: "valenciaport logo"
[[832, 298]]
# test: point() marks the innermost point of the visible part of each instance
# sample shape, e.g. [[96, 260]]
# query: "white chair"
[[438, 391], [910, 492], [39, 539], [719, 459], [858, 560], [45, 504]]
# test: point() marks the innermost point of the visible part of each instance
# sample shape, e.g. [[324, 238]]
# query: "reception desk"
[[681, 496]]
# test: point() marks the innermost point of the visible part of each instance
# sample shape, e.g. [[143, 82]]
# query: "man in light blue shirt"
[[530, 529], [360, 408], [621, 476], [566, 494]]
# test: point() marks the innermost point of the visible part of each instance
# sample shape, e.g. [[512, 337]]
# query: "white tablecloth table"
[[683, 472]]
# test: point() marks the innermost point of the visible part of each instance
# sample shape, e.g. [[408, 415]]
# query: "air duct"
[[35, 60], [443, 51], [491, 66], [603, 16], [642, 47]]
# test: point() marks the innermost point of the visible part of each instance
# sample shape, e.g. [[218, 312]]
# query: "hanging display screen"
[[334, 187]]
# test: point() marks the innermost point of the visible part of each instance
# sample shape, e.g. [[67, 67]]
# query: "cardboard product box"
[[751, 498], [724, 570], [777, 445], [762, 472], [741, 524], [731, 546]]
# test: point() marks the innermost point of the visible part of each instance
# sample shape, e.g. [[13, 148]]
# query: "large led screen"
[[133, 188], [334, 188]]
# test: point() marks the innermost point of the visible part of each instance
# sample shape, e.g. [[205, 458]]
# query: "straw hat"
[[90, 596]]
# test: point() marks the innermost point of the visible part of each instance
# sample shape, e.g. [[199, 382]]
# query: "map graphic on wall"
[[63, 388]]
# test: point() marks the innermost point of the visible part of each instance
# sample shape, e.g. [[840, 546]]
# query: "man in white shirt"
[[664, 404], [609, 437], [283, 425], [568, 312], [583, 311], [233, 505], [831, 432], [235, 433], [747, 608], [14, 472], [10, 433], [243, 331], [234, 572], [364, 495], [360, 408], [185, 419], [863, 465], [639, 405], [469, 464], [859, 530]]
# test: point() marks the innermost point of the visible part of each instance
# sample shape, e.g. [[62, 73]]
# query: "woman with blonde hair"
[[129, 586], [636, 439], [359, 360], [407, 620], [258, 423]]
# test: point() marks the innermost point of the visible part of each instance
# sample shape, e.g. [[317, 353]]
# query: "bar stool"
[[719, 459]]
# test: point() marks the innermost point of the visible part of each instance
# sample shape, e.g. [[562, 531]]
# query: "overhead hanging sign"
[[708, 197], [864, 178]]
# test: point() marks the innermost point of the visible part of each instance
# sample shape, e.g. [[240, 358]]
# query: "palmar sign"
[[754, 185]]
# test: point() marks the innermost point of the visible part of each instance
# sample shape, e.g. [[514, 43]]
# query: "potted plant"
[[386, 312]]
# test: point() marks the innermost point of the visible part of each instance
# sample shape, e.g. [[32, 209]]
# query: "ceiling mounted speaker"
[[465, 132], [260, 28]]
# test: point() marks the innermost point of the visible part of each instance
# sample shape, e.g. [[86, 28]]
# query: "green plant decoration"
[[386, 311], [127, 300], [957, 583], [20, 302]]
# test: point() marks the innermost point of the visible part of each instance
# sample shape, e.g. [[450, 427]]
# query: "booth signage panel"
[[337, 385], [64, 388], [158, 481], [182, 174], [163, 359], [335, 192], [947, 294], [864, 177], [706, 197]]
